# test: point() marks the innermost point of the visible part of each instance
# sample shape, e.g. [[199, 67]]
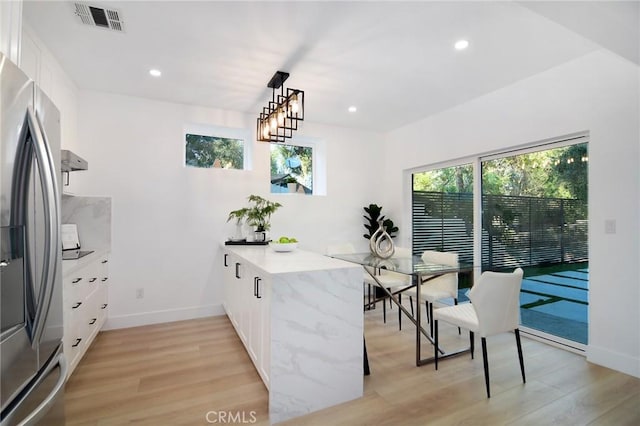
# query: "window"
[[215, 147], [211, 151], [291, 168]]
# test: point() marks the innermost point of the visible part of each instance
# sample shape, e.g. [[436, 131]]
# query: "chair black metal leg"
[[455, 302], [411, 303], [400, 312], [390, 302], [517, 332], [471, 343], [431, 316], [384, 311], [435, 345], [426, 308], [486, 365]]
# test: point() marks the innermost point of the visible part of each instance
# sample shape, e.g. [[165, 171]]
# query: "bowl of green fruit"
[[284, 244]]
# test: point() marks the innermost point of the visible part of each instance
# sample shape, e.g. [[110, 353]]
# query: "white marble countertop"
[[272, 262], [72, 265]]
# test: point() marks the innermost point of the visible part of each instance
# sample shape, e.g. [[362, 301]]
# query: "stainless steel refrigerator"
[[33, 367]]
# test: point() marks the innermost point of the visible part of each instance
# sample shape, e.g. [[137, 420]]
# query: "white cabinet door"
[[242, 292], [228, 281], [264, 298], [102, 299], [255, 330]]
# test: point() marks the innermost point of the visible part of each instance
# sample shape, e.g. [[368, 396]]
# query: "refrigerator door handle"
[[48, 181], [46, 403]]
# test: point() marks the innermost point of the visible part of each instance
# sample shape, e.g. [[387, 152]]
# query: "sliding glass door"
[[533, 215]]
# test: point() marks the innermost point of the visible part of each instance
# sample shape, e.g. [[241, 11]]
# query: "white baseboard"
[[616, 361], [157, 317]]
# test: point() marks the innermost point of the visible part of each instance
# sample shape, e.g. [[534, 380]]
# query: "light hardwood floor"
[[178, 373]]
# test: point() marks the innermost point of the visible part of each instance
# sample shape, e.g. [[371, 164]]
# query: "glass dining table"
[[421, 272]]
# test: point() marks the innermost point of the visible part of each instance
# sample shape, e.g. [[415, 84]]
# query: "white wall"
[[169, 220], [598, 93]]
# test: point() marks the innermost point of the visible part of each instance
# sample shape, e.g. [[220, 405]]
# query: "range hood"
[[71, 162]]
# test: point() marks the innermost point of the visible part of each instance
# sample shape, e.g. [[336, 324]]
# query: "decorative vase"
[[380, 244]]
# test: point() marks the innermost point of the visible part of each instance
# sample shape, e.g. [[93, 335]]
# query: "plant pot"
[[292, 187], [260, 236]]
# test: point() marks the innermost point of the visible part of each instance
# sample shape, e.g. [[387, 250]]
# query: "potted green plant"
[[373, 221], [258, 214]]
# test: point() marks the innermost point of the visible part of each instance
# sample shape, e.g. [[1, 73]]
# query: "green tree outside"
[[203, 151], [553, 173]]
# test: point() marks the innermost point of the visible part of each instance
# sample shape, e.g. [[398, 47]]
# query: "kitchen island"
[[299, 315]]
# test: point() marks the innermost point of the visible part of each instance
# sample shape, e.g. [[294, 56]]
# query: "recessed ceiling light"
[[352, 109], [461, 44], [155, 73]]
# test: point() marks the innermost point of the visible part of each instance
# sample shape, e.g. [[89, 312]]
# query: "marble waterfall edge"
[[317, 341]]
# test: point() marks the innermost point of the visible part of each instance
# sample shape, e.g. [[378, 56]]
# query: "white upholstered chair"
[[438, 288], [494, 309]]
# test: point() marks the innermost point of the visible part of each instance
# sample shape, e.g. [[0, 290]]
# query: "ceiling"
[[395, 61]]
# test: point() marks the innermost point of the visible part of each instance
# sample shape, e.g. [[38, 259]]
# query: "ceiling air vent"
[[99, 17]]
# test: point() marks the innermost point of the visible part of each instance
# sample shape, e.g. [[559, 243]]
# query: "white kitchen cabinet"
[[299, 316], [260, 321], [229, 295], [85, 297], [11, 29], [262, 330], [246, 302]]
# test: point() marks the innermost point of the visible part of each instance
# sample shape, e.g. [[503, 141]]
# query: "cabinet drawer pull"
[[76, 281], [77, 305], [93, 279], [237, 270], [93, 321], [255, 286], [225, 259], [258, 295], [105, 261], [104, 306], [104, 279], [78, 340]]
